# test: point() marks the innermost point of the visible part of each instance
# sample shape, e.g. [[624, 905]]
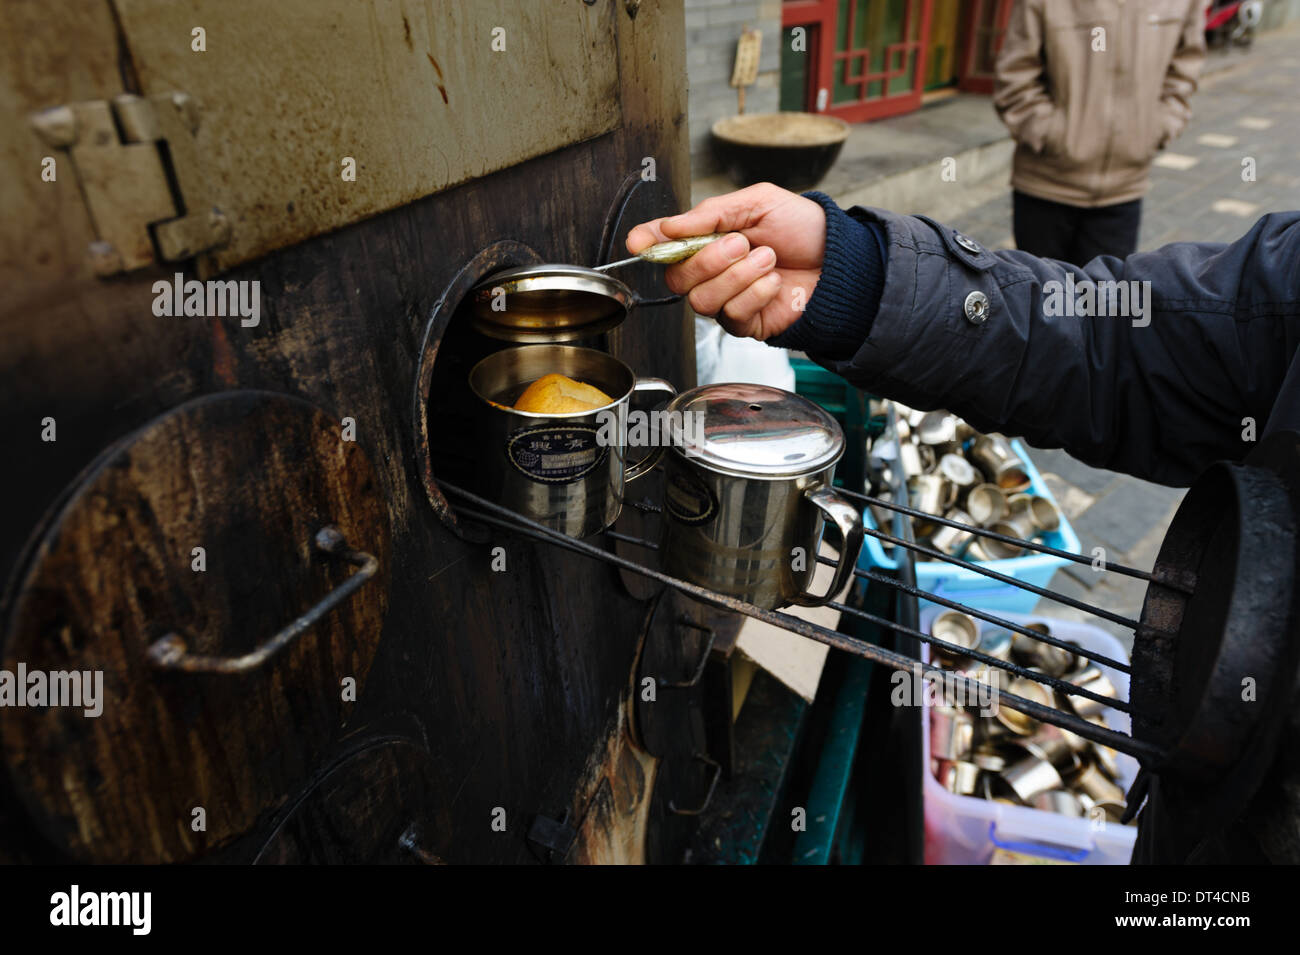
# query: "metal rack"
[[482, 510]]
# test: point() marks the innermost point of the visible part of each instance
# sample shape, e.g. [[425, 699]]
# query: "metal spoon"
[[667, 253]]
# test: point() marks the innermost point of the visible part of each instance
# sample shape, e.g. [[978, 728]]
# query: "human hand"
[[758, 279]]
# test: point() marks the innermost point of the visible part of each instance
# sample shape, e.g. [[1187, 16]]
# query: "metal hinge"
[[137, 163]]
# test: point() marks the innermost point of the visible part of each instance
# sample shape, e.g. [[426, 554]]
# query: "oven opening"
[[447, 413]]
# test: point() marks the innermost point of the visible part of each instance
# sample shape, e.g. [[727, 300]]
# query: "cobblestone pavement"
[[1247, 111]]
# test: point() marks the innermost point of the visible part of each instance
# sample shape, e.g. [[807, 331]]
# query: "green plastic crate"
[[851, 408]]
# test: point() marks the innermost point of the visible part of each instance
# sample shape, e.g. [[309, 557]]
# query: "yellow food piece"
[[558, 394]]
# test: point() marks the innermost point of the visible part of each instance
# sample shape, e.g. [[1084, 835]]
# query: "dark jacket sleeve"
[[1160, 394]]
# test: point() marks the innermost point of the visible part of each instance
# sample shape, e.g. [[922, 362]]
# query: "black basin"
[[794, 150]]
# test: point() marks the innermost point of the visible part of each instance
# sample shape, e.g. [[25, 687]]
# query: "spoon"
[[666, 253]]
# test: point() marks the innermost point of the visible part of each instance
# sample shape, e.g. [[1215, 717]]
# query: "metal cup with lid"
[[537, 304], [748, 489], [566, 470], [549, 303]]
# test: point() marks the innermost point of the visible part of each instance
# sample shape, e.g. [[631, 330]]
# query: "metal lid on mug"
[[754, 431], [549, 303]]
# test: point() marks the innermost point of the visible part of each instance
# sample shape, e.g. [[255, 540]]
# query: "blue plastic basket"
[[976, 590]]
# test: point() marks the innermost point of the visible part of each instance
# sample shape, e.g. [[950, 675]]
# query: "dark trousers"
[[1053, 230]]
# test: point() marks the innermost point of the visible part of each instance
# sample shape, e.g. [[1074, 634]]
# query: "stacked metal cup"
[[995, 752], [952, 471]]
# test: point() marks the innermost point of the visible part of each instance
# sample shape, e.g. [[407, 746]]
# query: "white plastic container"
[[964, 830]]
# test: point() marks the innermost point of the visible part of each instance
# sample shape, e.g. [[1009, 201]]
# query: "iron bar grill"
[[487, 512]]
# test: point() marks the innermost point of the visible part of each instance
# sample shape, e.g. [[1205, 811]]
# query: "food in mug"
[[558, 394]]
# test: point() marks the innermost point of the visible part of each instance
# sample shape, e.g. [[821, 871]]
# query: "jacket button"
[[970, 245], [977, 308]]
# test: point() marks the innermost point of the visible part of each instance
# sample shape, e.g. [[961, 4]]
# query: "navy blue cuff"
[[838, 317]]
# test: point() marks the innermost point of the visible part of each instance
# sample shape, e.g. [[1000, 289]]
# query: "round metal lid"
[[549, 303], [754, 431]]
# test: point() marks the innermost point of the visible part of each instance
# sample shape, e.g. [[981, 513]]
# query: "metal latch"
[[137, 163]]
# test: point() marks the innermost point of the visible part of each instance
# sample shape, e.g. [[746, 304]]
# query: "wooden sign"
[[745, 72]]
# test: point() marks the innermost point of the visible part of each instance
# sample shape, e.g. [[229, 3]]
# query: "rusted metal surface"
[[669, 644], [1190, 685], [422, 97], [697, 671], [509, 681], [117, 569]]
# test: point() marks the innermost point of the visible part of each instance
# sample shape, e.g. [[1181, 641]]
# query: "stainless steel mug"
[[933, 493], [1044, 656], [1033, 511], [952, 733], [937, 427], [986, 504], [747, 491], [956, 628], [566, 471], [999, 462], [953, 540]]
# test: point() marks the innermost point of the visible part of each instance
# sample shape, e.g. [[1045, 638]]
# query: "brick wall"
[[712, 29]]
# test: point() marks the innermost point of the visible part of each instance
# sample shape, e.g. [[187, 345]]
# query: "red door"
[[986, 24], [866, 58]]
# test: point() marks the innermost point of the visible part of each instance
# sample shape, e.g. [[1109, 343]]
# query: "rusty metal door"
[[353, 167]]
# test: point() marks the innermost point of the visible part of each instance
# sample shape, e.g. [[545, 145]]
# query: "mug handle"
[[846, 517], [647, 463], [951, 498]]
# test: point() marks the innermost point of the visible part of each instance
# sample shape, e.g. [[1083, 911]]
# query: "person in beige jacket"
[[1091, 90]]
